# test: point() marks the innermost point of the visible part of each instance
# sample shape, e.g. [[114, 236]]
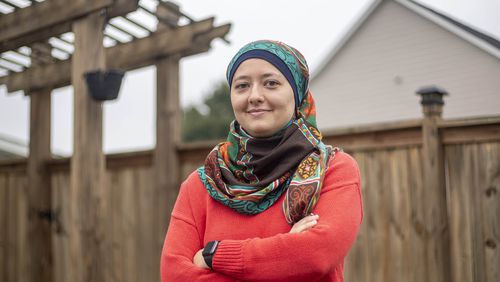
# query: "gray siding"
[[373, 78]]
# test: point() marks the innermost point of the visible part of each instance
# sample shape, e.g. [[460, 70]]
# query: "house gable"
[[394, 51]]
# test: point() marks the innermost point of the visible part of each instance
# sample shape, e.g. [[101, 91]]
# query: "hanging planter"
[[104, 85]]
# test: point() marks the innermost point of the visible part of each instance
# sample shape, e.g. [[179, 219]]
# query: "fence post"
[[436, 235]]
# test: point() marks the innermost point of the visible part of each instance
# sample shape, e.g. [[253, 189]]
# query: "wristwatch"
[[209, 251]]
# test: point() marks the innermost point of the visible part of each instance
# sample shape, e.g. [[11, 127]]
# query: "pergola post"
[[87, 200], [40, 258], [436, 235], [168, 134], [168, 127]]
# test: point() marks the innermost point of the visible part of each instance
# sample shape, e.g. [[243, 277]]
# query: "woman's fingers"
[[305, 223], [308, 218]]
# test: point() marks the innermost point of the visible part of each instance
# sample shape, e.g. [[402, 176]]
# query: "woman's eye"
[[271, 83], [241, 85]]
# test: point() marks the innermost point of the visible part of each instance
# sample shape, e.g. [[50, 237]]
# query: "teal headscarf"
[[286, 59]]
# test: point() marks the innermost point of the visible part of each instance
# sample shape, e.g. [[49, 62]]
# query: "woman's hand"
[[198, 260], [304, 224]]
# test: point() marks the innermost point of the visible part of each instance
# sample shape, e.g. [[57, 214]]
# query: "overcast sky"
[[313, 27]]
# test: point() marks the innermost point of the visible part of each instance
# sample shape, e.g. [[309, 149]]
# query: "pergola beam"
[[185, 40], [51, 18], [202, 41], [146, 51]]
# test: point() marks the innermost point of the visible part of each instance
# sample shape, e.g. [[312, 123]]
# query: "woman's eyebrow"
[[269, 74], [241, 77], [265, 75]]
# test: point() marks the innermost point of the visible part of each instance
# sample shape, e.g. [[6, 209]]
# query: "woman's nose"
[[255, 95]]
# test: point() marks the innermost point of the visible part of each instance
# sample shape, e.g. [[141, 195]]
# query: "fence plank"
[[489, 204], [11, 225], [476, 177], [117, 252], [417, 234], [21, 182], [3, 223], [149, 264], [129, 221], [357, 266], [62, 207], [460, 221], [375, 220], [401, 212], [16, 224]]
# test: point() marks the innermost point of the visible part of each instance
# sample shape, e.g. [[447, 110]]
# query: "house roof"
[[486, 42], [493, 41], [11, 148]]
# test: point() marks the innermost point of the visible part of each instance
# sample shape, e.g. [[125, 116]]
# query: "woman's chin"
[[261, 132], [262, 128]]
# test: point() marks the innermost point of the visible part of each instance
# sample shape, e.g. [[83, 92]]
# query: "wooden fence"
[[398, 240]]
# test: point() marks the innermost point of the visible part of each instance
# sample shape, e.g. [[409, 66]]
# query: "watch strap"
[[209, 252]]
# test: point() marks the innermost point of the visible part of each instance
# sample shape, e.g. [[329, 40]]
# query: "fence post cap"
[[431, 95]]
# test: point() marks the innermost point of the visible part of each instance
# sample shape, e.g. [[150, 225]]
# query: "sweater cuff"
[[228, 258]]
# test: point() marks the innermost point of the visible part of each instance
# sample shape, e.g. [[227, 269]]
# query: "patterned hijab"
[[250, 174]]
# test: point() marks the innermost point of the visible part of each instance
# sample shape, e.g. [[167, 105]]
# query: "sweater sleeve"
[[181, 244], [310, 254]]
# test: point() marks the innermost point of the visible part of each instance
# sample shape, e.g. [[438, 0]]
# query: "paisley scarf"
[[250, 174]]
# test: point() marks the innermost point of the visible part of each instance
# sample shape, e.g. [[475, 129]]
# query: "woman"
[[272, 203]]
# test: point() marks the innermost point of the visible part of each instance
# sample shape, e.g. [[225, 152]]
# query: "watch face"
[[210, 248], [214, 246]]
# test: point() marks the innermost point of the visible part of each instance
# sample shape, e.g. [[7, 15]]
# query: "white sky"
[[313, 27]]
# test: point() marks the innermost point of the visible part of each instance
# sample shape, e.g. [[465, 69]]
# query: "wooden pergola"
[[49, 44]]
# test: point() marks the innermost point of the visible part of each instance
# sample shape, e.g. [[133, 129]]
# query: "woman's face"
[[261, 97]]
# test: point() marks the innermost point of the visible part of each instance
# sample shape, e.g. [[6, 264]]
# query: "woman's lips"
[[257, 112]]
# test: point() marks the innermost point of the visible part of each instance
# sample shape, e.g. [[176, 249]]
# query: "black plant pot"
[[104, 85]]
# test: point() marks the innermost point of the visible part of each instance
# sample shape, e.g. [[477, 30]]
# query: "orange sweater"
[[259, 247]]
